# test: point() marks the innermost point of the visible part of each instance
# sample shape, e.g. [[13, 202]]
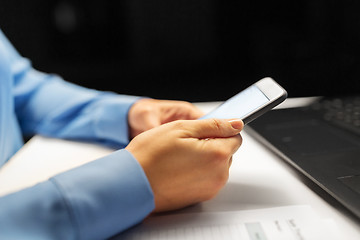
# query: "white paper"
[[283, 223]]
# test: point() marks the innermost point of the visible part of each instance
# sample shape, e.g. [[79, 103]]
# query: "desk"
[[258, 178]]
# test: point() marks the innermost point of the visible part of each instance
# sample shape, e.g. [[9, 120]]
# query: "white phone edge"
[[271, 89]]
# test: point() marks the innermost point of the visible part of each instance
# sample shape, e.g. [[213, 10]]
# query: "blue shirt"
[[93, 201]]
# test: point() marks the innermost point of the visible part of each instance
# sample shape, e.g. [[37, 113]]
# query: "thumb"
[[216, 128]]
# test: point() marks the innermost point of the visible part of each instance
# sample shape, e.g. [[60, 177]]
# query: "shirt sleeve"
[[94, 201], [46, 104]]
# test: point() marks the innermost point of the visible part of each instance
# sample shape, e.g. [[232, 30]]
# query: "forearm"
[[47, 105]]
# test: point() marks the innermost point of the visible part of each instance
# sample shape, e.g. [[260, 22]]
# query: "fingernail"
[[237, 124]]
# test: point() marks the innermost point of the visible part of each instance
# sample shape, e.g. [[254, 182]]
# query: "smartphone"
[[252, 102]]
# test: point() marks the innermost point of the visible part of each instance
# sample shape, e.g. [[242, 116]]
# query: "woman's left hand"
[[149, 113]]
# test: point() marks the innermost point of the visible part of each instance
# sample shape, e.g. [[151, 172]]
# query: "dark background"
[[191, 50]]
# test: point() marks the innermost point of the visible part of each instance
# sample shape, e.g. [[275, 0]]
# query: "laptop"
[[322, 141]]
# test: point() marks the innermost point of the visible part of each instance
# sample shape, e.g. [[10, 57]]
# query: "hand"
[[187, 162], [149, 113]]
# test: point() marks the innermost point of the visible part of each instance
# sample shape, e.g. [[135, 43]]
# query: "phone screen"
[[240, 105]]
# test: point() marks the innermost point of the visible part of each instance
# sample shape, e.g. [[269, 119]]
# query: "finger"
[[230, 162], [227, 145], [177, 110], [221, 149], [189, 111], [195, 113], [142, 123], [214, 128], [150, 121]]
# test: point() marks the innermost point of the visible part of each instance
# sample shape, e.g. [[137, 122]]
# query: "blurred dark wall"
[[193, 50]]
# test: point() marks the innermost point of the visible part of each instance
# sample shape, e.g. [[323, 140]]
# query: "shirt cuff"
[[106, 196], [112, 125]]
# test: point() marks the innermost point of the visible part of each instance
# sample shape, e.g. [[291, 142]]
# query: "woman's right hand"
[[187, 161]]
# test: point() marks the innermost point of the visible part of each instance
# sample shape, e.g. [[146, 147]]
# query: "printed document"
[[281, 223]]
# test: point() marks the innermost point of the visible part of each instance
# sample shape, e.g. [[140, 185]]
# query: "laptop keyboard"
[[328, 156], [343, 112]]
